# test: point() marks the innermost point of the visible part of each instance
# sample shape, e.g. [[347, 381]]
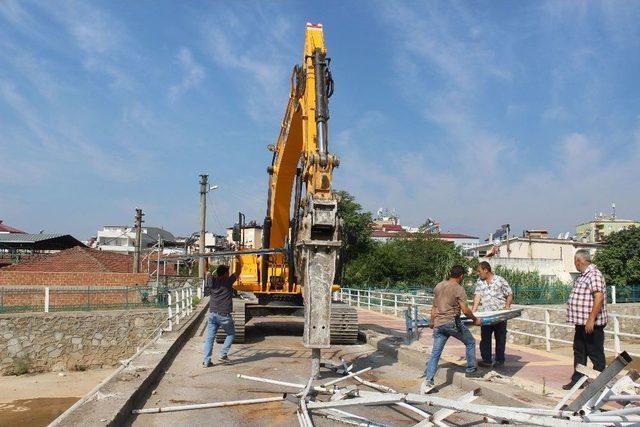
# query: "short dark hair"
[[457, 271], [222, 270], [485, 266]]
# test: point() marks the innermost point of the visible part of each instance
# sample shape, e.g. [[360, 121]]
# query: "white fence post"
[[395, 304], [184, 303], [170, 328], [613, 294], [368, 299], [175, 294], [46, 299], [547, 330], [616, 334], [381, 308], [358, 298]]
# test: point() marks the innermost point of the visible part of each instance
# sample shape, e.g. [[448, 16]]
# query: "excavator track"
[[239, 320], [344, 324]]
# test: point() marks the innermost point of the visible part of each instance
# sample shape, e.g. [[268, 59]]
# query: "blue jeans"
[[216, 321], [440, 336]]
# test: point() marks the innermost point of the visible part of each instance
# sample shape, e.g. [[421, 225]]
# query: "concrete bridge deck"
[[274, 350]]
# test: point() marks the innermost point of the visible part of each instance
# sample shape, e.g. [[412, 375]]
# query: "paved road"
[[273, 350]]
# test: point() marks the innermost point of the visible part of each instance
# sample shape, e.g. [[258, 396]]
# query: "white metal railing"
[[179, 305], [395, 303]]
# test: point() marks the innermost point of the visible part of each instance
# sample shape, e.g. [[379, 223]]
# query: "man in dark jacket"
[[220, 309]]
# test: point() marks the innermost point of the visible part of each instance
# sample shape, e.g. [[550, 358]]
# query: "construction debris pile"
[[606, 400]]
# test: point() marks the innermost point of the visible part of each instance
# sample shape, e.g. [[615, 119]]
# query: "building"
[[4, 228], [215, 242], [552, 258], [465, 241], [250, 235], [78, 266], [121, 238], [385, 232], [601, 226]]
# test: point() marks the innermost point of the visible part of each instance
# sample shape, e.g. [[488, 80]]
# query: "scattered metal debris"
[[328, 400]]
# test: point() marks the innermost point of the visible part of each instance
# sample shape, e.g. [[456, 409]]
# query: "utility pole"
[[204, 187], [136, 249]]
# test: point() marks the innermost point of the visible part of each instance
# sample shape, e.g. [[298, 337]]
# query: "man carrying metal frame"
[[449, 300]]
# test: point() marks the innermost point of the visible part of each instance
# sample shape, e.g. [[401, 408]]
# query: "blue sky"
[[474, 113]]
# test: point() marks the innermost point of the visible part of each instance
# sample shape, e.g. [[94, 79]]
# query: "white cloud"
[[257, 48], [193, 74]]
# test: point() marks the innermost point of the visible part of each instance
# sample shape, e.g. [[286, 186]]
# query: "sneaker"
[[484, 364], [498, 363], [474, 374], [224, 359], [207, 365], [426, 387]]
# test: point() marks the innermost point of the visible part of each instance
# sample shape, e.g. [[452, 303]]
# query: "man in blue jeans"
[[449, 299], [220, 309]]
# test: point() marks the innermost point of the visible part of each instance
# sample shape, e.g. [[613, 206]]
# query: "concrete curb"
[[499, 393], [114, 401]]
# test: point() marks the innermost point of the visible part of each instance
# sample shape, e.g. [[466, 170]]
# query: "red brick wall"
[[9, 277], [59, 297]]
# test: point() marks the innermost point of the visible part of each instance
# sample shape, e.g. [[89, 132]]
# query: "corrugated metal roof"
[[27, 238]]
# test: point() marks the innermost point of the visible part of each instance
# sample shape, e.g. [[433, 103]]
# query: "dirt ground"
[[273, 350], [36, 400]]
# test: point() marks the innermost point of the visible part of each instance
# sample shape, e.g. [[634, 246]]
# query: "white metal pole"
[[352, 374], [616, 334], [206, 405], [613, 294], [46, 299], [381, 302], [170, 328], [183, 303], [175, 294], [547, 330], [395, 305], [368, 299]]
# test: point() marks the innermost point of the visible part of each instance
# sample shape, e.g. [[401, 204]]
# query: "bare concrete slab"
[[274, 350]]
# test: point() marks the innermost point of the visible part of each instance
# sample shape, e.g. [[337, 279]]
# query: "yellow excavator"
[[294, 271]]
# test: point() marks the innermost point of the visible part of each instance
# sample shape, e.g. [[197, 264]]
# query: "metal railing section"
[[180, 305], [20, 299], [396, 303]]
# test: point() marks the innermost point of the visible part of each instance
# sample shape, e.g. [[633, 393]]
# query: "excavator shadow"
[[257, 329]]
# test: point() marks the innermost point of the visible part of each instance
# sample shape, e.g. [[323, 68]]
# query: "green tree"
[[619, 259], [357, 227], [419, 259]]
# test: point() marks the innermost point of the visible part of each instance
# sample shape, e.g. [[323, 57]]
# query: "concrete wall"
[[9, 277], [72, 341]]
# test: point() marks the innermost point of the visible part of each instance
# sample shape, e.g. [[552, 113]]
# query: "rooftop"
[[38, 241], [4, 228], [77, 259]]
